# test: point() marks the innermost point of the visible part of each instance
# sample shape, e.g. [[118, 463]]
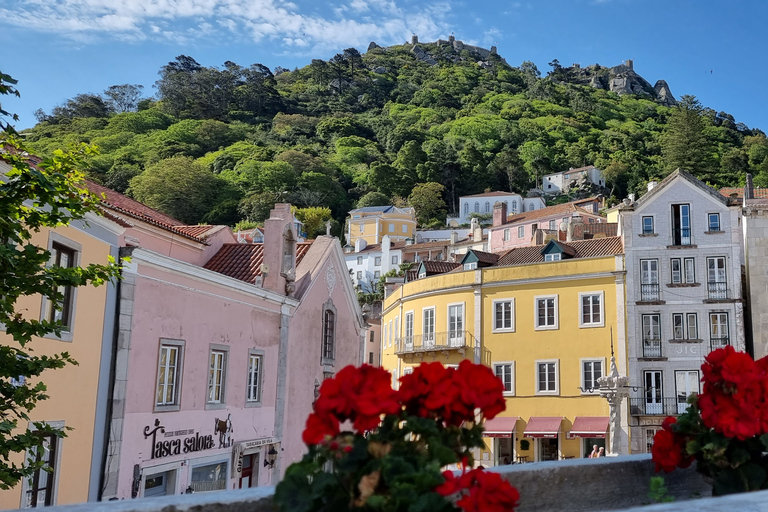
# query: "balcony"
[[650, 292], [652, 348], [458, 341], [656, 406], [716, 343], [717, 290], [681, 236]]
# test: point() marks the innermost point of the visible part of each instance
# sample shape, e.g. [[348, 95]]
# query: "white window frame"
[[556, 362], [408, 325], [555, 256], [582, 296], [250, 382], [709, 223], [520, 232], [359, 260], [511, 364], [424, 332], [391, 227], [179, 346], [377, 261], [495, 327], [556, 324], [653, 275], [552, 225], [221, 401], [376, 274], [448, 329], [394, 260], [359, 275], [642, 225], [507, 234], [685, 270], [676, 276], [470, 266], [584, 387], [405, 228]]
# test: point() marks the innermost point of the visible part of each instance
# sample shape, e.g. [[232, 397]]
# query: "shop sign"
[[164, 448]]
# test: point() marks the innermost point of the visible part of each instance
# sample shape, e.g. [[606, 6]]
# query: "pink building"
[[219, 351], [518, 230]]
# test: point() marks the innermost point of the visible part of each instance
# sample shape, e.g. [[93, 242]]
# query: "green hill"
[[223, 144]]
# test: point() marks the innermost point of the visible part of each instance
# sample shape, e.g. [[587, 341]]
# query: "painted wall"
[[372, 226], [756, 249], [498, 243], [72, 389]]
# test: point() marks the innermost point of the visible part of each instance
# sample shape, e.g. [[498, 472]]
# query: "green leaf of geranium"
[[764, 440]]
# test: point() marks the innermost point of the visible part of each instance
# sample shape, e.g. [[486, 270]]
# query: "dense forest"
[[391, 126]]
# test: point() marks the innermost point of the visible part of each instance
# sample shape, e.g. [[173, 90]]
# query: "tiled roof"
[[759, 193], [127, 206], [486, 257], [438, 267], [243, 261], [195, 231], [493, 194], [569, 171], [411, 275], [558, 209], [581, 249]]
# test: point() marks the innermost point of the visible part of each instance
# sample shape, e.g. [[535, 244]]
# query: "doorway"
[[548, 449], [504, 453], [249, 476]]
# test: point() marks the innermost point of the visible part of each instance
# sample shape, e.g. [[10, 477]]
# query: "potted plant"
[[371, 447], [725, 428]]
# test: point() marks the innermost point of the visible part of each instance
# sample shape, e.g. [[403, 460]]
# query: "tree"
[[124, 98], [617, 174], [179, 187], [82, 105], [373, 199], [314, 219], [32, 197], [685, 144], [427, 199]]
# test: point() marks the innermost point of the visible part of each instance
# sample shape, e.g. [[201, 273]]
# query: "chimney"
[[477, 231], [386, 261], [360, 244], [749, 189], [499, 213], [575, 230], [279, 265], [454, 237], [651, 185], [631, 198]]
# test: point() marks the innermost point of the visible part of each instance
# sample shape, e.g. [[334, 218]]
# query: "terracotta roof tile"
[[486, 257], [243, 261], [759, 193], [494, 194], [438, 267], [195, 231], [557, 209], [581, 249]]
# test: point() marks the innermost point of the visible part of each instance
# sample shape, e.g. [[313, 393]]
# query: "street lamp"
[[271, 457]]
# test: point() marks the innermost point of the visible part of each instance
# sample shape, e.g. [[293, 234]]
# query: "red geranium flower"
[[483, 491], [320, 427], [666, 452]]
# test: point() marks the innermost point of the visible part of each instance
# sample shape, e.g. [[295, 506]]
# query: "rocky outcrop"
[[372, 45], [423, 56], [451, 50], [663, 94]]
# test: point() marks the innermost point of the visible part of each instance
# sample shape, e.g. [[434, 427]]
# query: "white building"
[[483, 204], [560, 182], [683, 250], [368, 262]]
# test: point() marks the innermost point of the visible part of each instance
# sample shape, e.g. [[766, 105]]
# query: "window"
[[362, 228], [385, 335], [405, 228], [506, 372], [209, 478], [521, 232], [714, 221], [40, 484], [507, 234], [591, 309], [428, 327], [691, 325], [681, 224], [422, 275], [466, 208], [716, 282], [253, 387], [409, 329], [391, 227], [376, 274], [514, 206], [678, 330], [487, 207], [686, 383], [651, 325], [647, 225], [370, 357], [396, 332], [391, 333], [718, 330], [546, 377], [676, 271], [591, 220], [359, 275], [372, 334], [653, 392], [359, 260], [556, 256], [377, 261], [470, 266], [650, 433], [61, 256], [329, 333], [456, 325], [649, 280], [503, 315], [216, 377], [169, 373], [546, 312], [591, 370], [477, 207], [690, 270], [552, 225], [394, 260]]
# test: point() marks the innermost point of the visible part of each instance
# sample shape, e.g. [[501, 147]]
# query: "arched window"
[[466, 208], [477, 207], [487, 207], [514, 205], [329, 333]]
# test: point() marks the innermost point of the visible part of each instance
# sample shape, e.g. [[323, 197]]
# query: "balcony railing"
[[645, 406], [681, 236], [717, 290], [716, 343], [649, 292], [438, 341], [652, 347]]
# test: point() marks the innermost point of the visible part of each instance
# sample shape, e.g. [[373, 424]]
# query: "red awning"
[[500, 427], [543, 426], [589, 426]]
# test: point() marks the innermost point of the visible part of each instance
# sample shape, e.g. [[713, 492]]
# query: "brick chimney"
[[279, 265], [499, 213], [575, 230]]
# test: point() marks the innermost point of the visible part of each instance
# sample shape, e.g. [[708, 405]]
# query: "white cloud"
[[284, 23]]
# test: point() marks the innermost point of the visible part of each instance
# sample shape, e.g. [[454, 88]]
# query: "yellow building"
[[371, 223], [77, 394], [543, 318]]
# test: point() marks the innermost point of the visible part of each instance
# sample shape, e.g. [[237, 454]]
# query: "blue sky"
[[712, 49]]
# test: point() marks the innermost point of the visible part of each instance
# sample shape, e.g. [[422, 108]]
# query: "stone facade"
[[684, 260], [756, 253]]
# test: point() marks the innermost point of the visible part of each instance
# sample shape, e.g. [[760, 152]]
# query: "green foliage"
[[373, 199], [427, 200], [658, 492], [47, 195], [314, 219]]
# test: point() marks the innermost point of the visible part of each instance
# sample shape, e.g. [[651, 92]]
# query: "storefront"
[[502, 436], [591, 431], [545, 431]]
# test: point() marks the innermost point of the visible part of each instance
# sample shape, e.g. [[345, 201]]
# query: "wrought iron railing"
[[717, 290], [654, 406], [452, 340], [649, 292], [652, 347], [716, 343], [681, 236]]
